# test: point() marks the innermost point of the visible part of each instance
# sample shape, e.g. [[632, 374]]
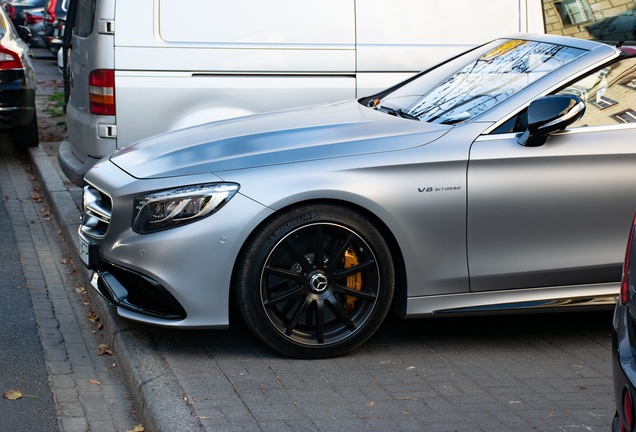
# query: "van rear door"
[[91, 133]]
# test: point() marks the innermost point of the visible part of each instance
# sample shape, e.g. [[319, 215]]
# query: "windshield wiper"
[[398, 113]]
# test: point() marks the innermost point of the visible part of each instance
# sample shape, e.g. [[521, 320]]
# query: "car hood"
[[302, 134]]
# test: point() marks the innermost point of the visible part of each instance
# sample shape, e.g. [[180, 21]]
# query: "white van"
[[137, 68]]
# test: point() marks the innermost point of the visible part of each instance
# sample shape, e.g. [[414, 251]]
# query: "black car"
[[14, 9], [624, 342], [17, 86]]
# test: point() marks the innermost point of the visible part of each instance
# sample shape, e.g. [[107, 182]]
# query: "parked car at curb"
[[14, 9], [54, 16], [17, 87], [32, 23], [500, 180], [624, 342]]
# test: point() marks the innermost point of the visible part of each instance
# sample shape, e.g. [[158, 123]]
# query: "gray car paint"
[[412, 177]]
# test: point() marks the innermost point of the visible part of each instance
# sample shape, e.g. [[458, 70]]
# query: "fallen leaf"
[[6, 198], [67, 260], [94, 382], [104, 349], [371, 404], [44, 210], [100, 326], [12, 394], [138, 428], [92, 316], [577, 366]]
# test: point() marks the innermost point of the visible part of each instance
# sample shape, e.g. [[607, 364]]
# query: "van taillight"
[[625, 282], [101, 91], [9, 60]]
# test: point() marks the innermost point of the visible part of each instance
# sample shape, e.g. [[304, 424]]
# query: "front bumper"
[[137, 293], [179, 277]]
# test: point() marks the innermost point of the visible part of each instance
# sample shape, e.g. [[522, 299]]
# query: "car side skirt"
[[515, 301]]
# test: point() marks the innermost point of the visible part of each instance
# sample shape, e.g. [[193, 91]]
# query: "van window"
[[252, 22], [84, 18], [597, 20]]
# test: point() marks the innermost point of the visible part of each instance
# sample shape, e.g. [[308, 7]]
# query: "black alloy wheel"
[[315, 281]]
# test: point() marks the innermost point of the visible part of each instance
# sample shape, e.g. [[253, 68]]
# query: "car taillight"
[[49, 17], [102, 91], [628, 410], [10, 10], [9, 59], [625, 282], [33, 19]]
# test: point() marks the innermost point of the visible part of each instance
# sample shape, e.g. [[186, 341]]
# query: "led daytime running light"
[[166, 209]]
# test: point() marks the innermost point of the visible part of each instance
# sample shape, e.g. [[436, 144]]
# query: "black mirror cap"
[[550, 114]]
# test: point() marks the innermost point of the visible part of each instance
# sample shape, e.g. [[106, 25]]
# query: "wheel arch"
[[400, 293]]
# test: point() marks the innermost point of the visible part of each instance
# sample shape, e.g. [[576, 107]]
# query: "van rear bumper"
[[71, 166]]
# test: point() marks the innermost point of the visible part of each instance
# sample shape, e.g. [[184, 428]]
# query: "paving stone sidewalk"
[[89, 392], [535, 373]]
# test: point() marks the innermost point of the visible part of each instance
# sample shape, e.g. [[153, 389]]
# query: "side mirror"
[[550, 114]]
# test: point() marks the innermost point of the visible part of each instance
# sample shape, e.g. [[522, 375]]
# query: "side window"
[[609, 95], [84, 18]]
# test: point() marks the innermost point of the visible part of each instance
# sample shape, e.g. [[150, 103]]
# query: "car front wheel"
[[315, 281]]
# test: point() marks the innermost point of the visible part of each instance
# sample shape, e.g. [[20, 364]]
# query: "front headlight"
[[173, 207]]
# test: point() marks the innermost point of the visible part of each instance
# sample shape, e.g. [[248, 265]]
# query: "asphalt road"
[[22, 365]]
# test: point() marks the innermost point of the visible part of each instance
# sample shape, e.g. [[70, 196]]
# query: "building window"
[[573, 12], [630, 83], [627, 116], [603, 102]]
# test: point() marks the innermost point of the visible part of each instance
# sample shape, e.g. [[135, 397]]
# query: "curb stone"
[[154, 389]]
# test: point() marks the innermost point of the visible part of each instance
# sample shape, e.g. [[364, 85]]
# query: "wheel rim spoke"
[[353, 270], [297, 316], [355, 293], [302, 259], [343, 248], [337, 308], [286, 274], [289, 295], [320, 321], [319, 248]]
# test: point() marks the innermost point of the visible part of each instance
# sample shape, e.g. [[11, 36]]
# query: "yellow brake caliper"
[[354, 281]]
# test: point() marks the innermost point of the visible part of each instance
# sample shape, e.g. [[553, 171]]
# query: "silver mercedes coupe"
[[501, 180]]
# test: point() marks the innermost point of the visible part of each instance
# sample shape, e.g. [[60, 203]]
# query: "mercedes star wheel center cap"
[[318, 282]]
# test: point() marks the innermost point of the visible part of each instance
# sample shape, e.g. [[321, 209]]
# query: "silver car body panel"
[[452, 197]]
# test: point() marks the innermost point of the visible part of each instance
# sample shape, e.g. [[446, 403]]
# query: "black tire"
[[26, 136], [315, 281]]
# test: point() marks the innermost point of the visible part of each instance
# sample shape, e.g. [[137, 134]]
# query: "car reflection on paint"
[[501, 180]]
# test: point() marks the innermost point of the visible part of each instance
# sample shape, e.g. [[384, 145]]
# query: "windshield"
[[470, 84]]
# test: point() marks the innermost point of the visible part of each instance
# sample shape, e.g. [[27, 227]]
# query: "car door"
[[557, 214]]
